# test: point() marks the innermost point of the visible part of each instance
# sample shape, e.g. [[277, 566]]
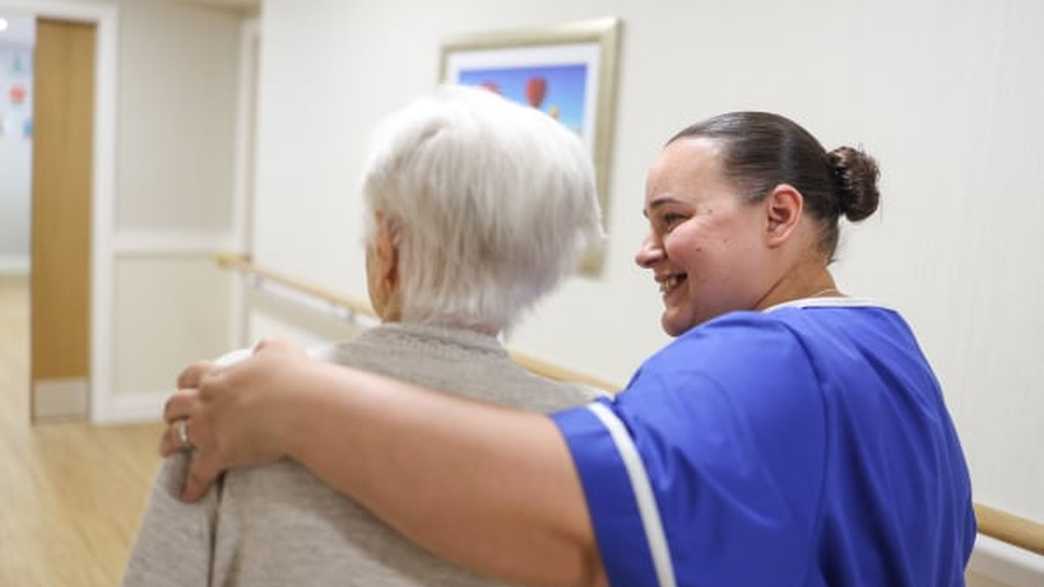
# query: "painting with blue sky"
[[559, 90]]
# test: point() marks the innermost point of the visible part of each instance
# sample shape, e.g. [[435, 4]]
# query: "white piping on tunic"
[[643, 493]]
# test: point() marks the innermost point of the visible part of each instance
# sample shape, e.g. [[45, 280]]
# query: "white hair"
[[493, 203]]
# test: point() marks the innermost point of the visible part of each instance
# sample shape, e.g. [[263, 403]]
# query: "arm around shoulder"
[[492, 489]]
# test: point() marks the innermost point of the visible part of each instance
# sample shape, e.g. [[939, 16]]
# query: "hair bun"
[[856, 174]]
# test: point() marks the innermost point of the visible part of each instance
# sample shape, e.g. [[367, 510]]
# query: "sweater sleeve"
[[174, 545]]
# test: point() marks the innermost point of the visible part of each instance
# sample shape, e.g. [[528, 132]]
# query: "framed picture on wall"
[[567, 71]]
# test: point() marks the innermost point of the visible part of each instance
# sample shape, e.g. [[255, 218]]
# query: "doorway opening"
[[62, 381], [17, 38]]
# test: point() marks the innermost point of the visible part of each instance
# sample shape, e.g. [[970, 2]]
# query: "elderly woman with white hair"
[[476, 207]]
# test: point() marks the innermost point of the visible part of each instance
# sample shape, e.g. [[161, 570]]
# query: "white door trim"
[[245, 176], [105, 17], [246, 131]]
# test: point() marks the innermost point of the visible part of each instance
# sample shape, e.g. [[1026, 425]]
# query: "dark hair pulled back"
[[763, 150]]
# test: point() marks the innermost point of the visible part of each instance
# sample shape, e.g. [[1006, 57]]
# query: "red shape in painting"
[[491, 86], [17, 94], [536, 90]]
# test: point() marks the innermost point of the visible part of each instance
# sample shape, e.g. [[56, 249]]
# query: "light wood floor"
[[70, 494]]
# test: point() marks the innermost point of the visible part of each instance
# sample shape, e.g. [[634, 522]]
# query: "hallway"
[[71, 494]]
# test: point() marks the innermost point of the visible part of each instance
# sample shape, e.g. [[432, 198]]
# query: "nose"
[[650, 251]]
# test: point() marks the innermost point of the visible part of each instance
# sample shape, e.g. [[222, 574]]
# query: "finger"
[[168, 443], [214, 383], [202, 473], [193, 373], [171, 441], [180, 405]]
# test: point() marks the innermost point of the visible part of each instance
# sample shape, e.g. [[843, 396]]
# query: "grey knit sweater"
[[278, 525]]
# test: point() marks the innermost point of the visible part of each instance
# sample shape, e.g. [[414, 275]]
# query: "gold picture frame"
[[574, 63]]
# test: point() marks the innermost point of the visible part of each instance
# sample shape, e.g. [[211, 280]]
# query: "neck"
[[486, 329], [807, 280]]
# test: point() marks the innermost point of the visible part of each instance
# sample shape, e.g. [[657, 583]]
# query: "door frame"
[[244, 183], [105, 17]]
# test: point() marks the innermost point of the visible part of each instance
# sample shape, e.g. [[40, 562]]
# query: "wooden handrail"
[[1003, 526], [1015, 530]]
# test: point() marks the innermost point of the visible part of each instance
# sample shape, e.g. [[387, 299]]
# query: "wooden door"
[[61, 218]]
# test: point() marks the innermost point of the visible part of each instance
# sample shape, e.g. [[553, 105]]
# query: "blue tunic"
[[808, 445]]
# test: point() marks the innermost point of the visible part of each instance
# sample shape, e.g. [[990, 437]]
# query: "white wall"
[[178, 72], [171, 312], [274, 314], [174, 206], [16, 147], [946, 96]]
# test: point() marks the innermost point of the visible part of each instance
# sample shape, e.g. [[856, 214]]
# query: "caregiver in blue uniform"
[[789, 435]]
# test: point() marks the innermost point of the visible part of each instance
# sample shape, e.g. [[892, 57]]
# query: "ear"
[[783, 207], [386, 248]]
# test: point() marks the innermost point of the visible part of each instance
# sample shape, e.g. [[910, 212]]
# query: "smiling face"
[[706, 246]]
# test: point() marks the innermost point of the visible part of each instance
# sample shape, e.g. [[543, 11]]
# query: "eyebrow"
[[657, 203]]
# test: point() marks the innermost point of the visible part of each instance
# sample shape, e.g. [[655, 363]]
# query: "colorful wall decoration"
[[16, 83]]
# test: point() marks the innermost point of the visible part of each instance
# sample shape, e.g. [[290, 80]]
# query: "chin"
[[677, 325], [673, 327]]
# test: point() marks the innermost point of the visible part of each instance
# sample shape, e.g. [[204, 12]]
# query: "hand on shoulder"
[[232, 414]]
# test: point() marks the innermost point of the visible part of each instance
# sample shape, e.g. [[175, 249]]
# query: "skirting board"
[[60, 399]]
